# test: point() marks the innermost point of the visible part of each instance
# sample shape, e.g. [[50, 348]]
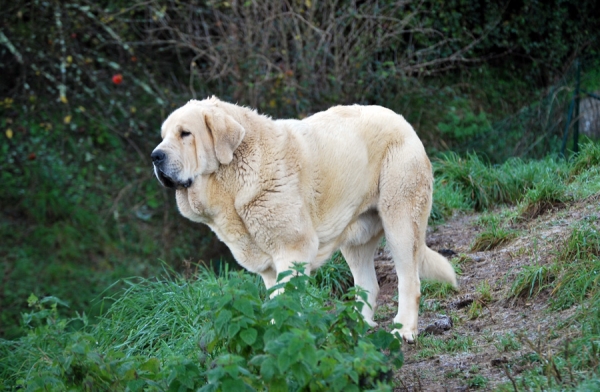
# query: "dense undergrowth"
[[213, 333]]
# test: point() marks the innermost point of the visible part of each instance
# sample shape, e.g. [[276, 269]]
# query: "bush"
[[213, 334]]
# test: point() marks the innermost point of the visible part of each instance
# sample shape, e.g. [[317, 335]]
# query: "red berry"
[[117, 79], [31, 156]]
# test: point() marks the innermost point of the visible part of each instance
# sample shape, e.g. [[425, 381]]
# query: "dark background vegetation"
[[79, 207]]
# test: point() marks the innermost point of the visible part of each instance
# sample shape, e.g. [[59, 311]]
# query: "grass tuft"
[[546, 195], [531, 280], [494, 236], [335, 276]]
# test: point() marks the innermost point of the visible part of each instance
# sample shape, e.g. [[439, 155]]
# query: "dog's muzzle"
[[158, 160]]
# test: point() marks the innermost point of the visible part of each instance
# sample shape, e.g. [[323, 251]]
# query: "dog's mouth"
[[170, 182]]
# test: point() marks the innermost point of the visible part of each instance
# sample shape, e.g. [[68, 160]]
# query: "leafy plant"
[[214, 334]]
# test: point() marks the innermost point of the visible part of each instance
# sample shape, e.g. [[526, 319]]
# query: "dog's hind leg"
[[405, 202], [360, 261]]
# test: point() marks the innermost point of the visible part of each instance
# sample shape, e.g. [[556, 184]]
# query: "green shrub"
[[216, 334]]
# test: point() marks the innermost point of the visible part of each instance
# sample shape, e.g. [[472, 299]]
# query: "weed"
[[477, 381], [571, 362], [430, 305], [545, 195], [471, 176], [588, 157], [578, 267], [475, 310], [455, 373], [447, 198]]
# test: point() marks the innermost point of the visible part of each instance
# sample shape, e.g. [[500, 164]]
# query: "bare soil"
[[537, 243]]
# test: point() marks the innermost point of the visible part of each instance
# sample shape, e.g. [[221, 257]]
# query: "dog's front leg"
[[303, 252]]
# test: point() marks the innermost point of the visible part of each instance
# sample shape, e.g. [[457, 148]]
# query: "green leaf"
[[278, 385], [245, 306], [233, 329], [32, 300], [233, 385], [152, 366], [382, 339], [223, 318], [136, 385], [284, 360], [268, 369], [249, 336]]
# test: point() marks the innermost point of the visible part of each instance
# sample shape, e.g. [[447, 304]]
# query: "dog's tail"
[[437, 267]]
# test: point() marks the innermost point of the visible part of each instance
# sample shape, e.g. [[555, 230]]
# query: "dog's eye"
[[185, 133]]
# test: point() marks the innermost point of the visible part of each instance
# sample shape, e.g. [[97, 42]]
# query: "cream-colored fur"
[[284, 191]]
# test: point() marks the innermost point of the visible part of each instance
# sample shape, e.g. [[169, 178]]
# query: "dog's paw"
[[407, 335], [371, 323]]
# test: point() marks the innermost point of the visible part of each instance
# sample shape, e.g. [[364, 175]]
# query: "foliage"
[[462, 124], [212, 334], [335, 275]]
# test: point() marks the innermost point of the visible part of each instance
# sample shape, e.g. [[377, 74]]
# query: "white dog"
[[284, 191]]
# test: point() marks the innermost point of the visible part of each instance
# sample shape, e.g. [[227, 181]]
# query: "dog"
[[284, 191]]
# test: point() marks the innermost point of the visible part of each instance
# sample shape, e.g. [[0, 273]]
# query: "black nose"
[[158, 157]]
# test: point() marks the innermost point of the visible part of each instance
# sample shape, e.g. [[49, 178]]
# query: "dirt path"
[[474, 352]]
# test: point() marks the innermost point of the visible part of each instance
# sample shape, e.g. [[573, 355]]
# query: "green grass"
[[507, 342], [547, 194], [431, 289], [493, 236], [572, 279], [532, 279], [430, 346], [468, 182], [335, 275]]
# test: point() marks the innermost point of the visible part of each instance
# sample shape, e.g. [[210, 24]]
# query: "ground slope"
[[491, 332]]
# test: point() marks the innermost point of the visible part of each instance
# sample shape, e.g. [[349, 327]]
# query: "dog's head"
[[197, 138]]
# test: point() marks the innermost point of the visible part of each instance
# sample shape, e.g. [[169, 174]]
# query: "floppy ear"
[[227, 135]]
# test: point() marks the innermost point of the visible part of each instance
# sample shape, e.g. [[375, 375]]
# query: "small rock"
[[462, 302], [439, 326]]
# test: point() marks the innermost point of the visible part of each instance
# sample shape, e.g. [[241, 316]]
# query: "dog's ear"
[[227, 134]]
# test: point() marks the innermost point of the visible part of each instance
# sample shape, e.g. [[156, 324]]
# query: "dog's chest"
[[193, 204]]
